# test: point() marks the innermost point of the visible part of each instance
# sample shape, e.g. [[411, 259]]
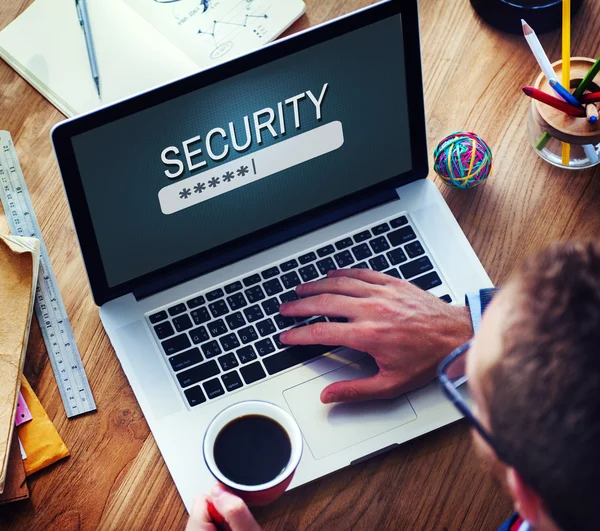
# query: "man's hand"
[[232, 509], [407, 330]]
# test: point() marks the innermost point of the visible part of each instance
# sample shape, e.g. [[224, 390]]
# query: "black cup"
[[506, 15]]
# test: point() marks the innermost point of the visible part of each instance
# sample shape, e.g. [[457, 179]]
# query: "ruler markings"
[[49, 307]]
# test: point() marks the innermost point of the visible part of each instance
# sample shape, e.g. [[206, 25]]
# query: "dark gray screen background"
[[122, 172]]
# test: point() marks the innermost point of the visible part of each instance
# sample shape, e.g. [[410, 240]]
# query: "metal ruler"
[[49, 307]]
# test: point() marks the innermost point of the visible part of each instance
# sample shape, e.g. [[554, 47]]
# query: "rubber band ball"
[[463, 160]]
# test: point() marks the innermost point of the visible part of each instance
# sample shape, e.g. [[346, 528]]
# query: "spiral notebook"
[[139, 44]]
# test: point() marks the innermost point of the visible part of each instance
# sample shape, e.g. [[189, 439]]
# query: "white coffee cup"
[[267, 492]]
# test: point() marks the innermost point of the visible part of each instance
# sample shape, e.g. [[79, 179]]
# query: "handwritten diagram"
[[244, 24], [210, 31]]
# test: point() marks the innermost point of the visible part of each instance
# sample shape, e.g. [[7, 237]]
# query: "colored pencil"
[[589, 77], [591, 112], [564, 93], [543, 142], [592, 97], [546, 98], [543, 62], [590, 152], [538, 51], [566, 68]]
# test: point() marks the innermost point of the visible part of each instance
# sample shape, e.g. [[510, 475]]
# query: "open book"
[[139, 44], [19, 263]]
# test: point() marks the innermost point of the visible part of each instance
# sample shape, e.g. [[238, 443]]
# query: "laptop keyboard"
[[227, 337]]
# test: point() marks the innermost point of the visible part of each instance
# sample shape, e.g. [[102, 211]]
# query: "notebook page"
[[46, 45], [213, 31]]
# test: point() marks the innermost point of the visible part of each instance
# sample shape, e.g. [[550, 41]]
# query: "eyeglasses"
[[453, 378]]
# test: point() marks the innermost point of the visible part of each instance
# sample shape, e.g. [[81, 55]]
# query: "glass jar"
[[548, 128]]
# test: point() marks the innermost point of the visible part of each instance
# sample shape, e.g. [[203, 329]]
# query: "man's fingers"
[[331, 334], [199, 518], [233, 509], [340, 285], [366, 275], [324, 304], [377, 386]]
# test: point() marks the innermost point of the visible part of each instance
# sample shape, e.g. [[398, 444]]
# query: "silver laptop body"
[[198, 332]]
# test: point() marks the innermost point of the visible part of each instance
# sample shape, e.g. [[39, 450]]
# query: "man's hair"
[[544, 394]]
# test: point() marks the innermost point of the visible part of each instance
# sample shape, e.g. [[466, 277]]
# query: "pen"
[[591, 113], [84, 21], [218, 521], [590, 152], [545, 65], [539, 95], [589, 77], [566, 71], [592, 97], [538, 51], [564, 93]]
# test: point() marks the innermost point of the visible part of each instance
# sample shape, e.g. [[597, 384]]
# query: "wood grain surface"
[[115, 477]]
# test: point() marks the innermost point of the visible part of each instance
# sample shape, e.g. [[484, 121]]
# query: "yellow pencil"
[[566, 65]]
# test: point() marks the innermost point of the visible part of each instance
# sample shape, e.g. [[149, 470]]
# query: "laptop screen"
[[247, 152]]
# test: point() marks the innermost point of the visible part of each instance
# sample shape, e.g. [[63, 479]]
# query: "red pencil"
[[590, 98], [546, 98]]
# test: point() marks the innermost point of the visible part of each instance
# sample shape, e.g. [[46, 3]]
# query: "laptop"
[[200, 206]]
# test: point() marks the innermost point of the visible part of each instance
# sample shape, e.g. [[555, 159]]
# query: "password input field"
[[251, 168]]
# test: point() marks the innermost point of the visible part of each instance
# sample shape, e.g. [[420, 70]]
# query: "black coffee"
[[252, 450]]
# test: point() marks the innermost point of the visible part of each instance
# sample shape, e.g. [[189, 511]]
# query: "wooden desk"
[[116, 478]]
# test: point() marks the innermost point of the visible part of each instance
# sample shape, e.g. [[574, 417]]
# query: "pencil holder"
[[548, 128]]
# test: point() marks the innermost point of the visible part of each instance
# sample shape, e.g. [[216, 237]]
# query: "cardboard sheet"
[[15, 488], [19, 261]]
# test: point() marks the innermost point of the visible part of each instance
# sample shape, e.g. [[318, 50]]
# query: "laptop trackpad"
[[329, 428]]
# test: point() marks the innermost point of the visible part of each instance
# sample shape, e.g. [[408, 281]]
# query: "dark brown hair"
[[544, 395]]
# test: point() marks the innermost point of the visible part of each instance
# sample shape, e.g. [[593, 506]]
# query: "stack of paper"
[[19, 262]]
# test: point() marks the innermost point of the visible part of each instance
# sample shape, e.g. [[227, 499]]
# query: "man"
[[533, 372]]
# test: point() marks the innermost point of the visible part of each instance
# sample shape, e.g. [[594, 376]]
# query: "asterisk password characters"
[[213, 182]]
